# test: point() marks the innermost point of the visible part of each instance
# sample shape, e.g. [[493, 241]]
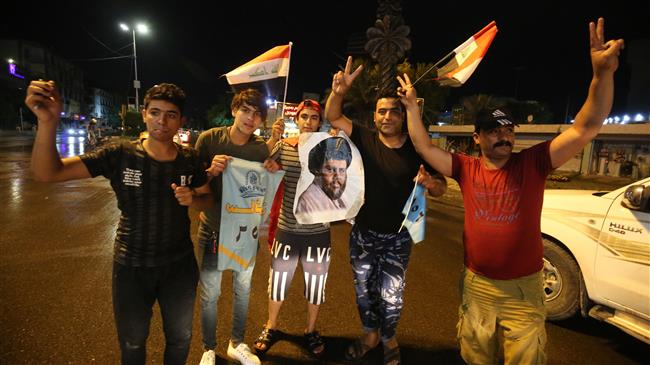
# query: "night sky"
[[544, 47]]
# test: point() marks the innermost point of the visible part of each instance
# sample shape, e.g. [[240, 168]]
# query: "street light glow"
[[142, 28], [11, 60]]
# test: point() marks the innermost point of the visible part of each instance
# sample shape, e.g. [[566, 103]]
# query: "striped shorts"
[[313, 250]]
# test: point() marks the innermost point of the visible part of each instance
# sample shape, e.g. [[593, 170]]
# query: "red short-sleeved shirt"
[[503, 207]]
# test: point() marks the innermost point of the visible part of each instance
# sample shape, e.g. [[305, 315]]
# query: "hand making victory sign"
[[342, 80], [604, 55]]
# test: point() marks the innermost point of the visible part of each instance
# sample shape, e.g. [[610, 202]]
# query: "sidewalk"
[[576, 182], [15, 133], [590, 182]]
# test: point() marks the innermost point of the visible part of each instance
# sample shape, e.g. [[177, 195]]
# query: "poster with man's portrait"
[[331, 184]]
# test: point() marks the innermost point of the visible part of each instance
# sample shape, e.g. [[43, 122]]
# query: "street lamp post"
[[136, 83]]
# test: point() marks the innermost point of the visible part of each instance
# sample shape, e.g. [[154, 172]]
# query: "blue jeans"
[[379, 263], [210, 284], [135, 289]]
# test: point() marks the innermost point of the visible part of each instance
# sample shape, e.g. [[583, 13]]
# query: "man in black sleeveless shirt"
[[154, 180]]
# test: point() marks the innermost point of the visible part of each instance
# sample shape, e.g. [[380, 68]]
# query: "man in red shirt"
[[503, 193]]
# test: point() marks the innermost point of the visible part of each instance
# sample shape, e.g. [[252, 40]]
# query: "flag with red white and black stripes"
[[464, 60], [270, 68]]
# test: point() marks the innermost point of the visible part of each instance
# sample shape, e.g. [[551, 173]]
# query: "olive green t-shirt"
[[216, 141]]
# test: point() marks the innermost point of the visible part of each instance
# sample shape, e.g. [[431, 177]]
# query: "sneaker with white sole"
[[243, 354], [208, 358]]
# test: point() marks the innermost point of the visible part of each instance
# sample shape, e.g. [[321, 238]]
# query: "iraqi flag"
[[271, 69], [463, 60]]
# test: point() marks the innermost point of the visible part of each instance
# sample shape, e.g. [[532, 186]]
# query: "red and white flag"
[[269, 65], [466, 57]]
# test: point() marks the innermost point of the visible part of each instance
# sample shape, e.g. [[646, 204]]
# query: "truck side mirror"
[[637, 197]]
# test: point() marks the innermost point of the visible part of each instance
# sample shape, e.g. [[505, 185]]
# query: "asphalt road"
[[55, 299]]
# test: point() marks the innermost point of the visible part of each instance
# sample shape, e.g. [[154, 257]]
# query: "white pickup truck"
[[597, 255]]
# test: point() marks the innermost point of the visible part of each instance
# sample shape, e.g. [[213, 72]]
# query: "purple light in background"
[[12, 71]]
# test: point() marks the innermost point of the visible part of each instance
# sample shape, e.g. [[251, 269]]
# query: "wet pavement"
[[55, 292]]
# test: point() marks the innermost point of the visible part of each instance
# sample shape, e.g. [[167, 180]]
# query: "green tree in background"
[[473, 104], [523, 111], [433, 94], [133, 123], [219, 114]]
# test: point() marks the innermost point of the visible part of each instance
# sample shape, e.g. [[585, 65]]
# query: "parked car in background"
[[597, 256]]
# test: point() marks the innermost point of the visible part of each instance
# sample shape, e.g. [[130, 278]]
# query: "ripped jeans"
[[514, 307], [135, 289]]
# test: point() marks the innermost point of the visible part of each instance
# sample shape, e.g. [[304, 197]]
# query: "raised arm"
[[436, 157], [604, 61], [341, 83], [276, 133], [45, 102]]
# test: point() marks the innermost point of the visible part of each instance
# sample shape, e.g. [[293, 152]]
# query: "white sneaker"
[[208, 358], [242, 354]]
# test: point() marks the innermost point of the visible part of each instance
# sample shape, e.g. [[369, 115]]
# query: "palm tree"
[[387, 42]]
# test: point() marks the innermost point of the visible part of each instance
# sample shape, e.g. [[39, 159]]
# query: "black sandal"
[[391, 355], [357, 350], [314, 342], [267, 338]]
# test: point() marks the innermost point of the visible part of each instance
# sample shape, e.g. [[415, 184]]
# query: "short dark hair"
[[402, 108], [391, 95], [332, 148], [251, 97], [166, 92]]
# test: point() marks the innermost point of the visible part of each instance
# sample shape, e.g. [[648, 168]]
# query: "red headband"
[[310, 104]]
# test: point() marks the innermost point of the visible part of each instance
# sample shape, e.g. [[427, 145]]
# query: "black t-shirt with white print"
[[154, 229]]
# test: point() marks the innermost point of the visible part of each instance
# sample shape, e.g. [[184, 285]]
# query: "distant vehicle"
[[597, 256], [183, 137], [75, 131]]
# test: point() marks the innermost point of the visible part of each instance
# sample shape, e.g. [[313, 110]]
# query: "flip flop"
[[392, 355], [314, 342], [267, 338], [357, 350]]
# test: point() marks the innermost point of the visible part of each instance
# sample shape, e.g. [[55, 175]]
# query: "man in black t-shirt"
[[379, 252], [154, 180]]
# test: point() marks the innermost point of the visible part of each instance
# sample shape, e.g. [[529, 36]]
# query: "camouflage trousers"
[[379, 264]]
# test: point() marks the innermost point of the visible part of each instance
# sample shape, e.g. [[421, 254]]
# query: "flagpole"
[[432, 67], [286, 82]]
